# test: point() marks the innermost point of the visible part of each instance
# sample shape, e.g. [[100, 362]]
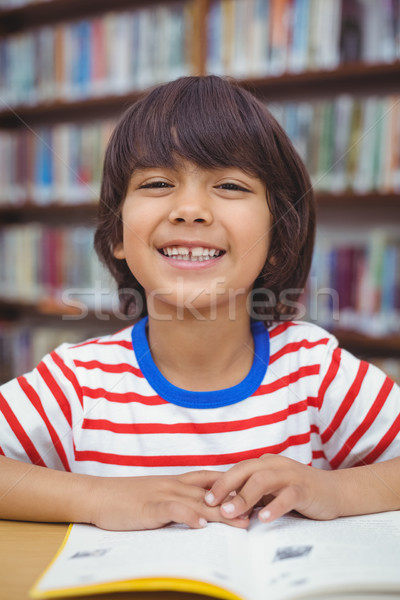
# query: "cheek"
[[257, 233], [133, 249]]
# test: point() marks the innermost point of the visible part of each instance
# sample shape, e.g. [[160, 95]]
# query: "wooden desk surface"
[[25, 551], [27, 548]]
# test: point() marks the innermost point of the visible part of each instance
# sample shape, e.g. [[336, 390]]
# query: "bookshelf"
[[339, 73]]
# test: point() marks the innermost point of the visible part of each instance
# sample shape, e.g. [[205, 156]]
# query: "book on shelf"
[[370, 29], [291, 558], [279, 34]]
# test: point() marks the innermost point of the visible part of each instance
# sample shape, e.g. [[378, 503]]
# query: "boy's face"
[[195, 238]]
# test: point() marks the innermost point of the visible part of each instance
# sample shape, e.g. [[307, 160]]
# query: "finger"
[[195, 516], [214, 515], [284, 502], [177, 512], [229, 482], [202, 478], [259, 484], [247, 514], [186, 491]]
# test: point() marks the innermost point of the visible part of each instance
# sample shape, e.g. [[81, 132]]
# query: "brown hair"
[[212, 122]]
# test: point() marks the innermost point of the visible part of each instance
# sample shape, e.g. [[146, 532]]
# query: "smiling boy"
[[215, 401]]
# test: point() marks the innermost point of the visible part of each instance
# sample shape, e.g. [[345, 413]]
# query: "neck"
[[202, 354]]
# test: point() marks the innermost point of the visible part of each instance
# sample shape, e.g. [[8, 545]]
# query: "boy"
[[207, 223]]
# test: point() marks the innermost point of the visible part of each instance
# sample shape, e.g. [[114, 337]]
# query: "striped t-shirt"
[[103, 408]]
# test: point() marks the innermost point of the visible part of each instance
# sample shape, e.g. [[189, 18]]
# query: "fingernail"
[[202, 522], [228, 508], [265, 515], [210, 498]]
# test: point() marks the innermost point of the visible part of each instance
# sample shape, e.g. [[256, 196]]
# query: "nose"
[[191, 207]]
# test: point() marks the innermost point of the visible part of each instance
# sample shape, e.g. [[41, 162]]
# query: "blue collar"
[[212, 399]]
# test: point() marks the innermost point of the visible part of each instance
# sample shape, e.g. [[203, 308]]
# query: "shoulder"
[[301, 347], [102, 352], [300, 334]]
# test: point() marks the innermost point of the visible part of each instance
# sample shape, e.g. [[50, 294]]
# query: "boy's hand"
[[285, 483], [133, 503]]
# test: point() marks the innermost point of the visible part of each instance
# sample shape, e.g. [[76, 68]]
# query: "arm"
[[315, 493], [33, 493]]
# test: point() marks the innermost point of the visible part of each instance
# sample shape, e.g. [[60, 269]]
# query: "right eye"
[[155, 185]]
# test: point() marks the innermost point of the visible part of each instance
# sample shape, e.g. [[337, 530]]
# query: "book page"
[[296, 557], [93, 556]]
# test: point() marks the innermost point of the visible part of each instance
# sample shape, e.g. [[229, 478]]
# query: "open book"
[[291, 558]]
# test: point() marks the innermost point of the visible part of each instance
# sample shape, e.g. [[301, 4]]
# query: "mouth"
[[192, 254]]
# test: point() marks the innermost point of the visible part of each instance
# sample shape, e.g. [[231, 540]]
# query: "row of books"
[[270, 37], [61, 163], [48, 263], [110, 54], [347, 143], [355, 283], [119, 52]]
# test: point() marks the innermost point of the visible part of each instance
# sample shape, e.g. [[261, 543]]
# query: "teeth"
[[199, 251], [195, 254]]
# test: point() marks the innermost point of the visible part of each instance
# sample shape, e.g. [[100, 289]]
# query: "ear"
[[118, 251]]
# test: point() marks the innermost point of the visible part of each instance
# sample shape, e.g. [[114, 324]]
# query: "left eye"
[[234, 187]]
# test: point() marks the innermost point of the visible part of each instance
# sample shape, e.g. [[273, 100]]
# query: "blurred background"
[[329, 70]]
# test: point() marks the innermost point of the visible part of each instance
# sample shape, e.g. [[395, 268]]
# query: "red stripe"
[[330, 375], [2, 451], [313, 401], [122, 397], [20, 433], [188, 460], [364, 426], [56, 391], [281, 328], [36, 403], [383, 444], [295, 346], [194, 428], [98, 342], [69, 374], [346, 404], [109, 368], [318, 454], [287, 380], [314, 429]]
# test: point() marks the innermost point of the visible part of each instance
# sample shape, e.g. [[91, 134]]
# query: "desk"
[[27, 548], [25, 551]]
